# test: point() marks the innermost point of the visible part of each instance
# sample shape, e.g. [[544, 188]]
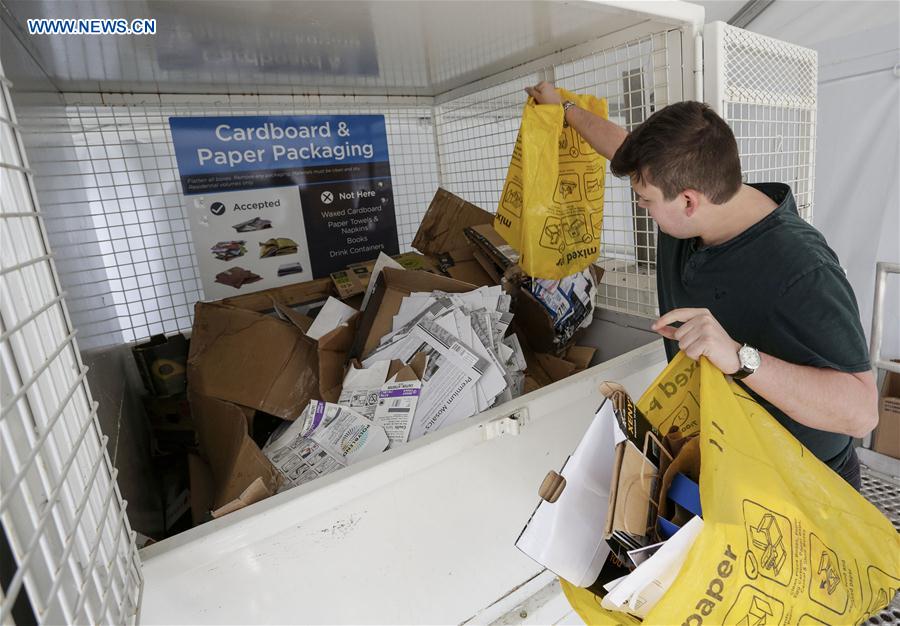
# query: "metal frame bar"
[[882, 269]]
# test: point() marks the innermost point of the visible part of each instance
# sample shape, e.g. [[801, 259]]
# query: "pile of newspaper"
[[445, 359], [570, 301]]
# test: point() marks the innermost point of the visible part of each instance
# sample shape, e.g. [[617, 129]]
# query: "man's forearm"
[[820, 398], [604, 136]]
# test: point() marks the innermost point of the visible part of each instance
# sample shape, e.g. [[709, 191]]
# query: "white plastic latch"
[[510, 424]]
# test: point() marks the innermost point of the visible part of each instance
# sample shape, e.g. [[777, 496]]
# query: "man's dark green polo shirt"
[[779, 288]]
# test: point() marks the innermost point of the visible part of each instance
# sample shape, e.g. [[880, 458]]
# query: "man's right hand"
[[544, 93]]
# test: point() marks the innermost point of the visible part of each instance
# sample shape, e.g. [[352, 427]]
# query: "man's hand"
[[701, 335], [544, 93]]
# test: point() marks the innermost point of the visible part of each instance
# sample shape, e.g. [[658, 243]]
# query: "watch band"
[[568, 104], [749, 362]]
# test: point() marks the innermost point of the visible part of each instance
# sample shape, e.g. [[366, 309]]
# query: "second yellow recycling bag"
[[785, 540], [551, 210]]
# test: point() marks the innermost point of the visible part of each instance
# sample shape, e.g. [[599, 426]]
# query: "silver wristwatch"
[[750, 361], [568, 104]]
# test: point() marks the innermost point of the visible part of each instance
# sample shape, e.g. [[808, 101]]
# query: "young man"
[[754, 288]]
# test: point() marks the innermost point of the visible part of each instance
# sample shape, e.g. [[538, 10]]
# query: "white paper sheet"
[[639, 592], [381, 262], [333, 314], [361, 387], [567, 536]]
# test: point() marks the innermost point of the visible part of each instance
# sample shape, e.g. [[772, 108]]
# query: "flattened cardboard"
[[392, 286], [235, 461], [258, 361], [255, 492], [886, 438], [289, 295], [441, 229], [581, 356], [251, 359], [556, 368]]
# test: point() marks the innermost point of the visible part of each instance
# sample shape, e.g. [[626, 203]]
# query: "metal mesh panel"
[[71, 550], [769, 99], [116, 216], [476, 135], [884, 492]]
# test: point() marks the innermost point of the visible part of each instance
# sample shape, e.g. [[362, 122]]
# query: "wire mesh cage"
[[766, 90], [117, 220], [67, 545]]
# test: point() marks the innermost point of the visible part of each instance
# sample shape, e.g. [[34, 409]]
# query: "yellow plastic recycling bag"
[[785, 540], [551, 210]]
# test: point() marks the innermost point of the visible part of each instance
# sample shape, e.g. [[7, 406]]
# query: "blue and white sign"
[[315, 188]]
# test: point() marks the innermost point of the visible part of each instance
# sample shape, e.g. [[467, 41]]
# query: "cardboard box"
[[355, 278], [886, 438], [391, 287], [256, 360], [442, 227], [241, 361], [441, 237]]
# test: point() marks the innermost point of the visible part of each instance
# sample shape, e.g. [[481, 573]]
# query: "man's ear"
[[691, 199]]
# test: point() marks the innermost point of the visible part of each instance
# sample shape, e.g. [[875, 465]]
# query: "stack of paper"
[[470, 365], [326, 437], [570, 301]]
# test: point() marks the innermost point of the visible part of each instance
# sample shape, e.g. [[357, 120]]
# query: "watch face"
[[749, 357]]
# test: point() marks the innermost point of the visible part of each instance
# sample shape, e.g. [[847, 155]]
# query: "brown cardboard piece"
[[250, 359], [461, 265], [886, 438], [258, 361], [442, 226], [410, 372], [234, 460], [545, 369]]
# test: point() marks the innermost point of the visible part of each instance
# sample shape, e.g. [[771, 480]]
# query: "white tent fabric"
[[857, 199]]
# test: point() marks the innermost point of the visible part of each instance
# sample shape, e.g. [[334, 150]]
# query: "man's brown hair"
[[683, 146]]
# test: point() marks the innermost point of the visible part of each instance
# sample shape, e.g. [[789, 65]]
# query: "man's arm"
[[821, 398], [603, 136]]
